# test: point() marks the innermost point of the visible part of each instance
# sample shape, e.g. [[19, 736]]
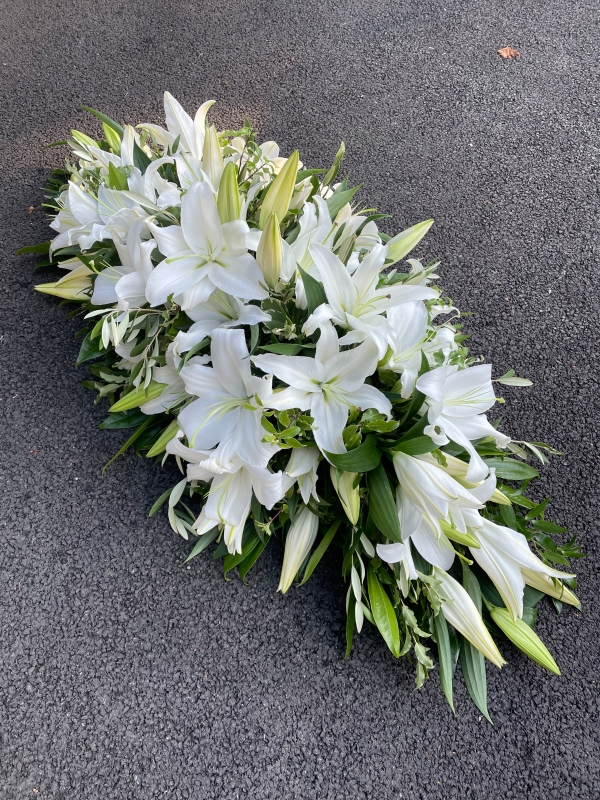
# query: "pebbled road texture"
[[123, 673]]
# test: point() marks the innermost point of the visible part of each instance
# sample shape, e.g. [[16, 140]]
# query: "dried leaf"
[[508, 52]]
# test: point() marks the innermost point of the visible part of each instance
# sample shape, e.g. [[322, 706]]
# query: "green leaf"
[[43, 247], [350, 623], [203, 542], [382, 506], [383, 612], [320, 551], [138, 397], [282, 349], [416, 446], [116, 179], [123, 419], [160, 502], [103, 118], [339, 199], [440, 630], [90, 348], [246, 565], [511, 470], [315, 293], [140, 159], [128, 443], [364, 458], [231, 560], [473, 668], [537, 510]]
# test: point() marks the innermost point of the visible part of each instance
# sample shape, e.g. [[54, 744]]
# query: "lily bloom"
[[355, 302], [328, 385], [457, 400], [203, 255]]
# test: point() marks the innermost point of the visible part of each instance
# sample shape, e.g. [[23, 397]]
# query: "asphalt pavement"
[[124, 674]]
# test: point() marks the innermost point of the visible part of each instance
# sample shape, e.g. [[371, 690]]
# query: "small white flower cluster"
[[254, 316]]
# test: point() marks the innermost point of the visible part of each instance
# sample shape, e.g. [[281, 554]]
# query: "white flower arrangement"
[[246, 319]]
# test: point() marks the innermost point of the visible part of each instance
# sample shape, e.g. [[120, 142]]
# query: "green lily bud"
[[228, 199], [460, 538], [212, 157], [163, 440], [401, 245], [544, 583], [279, 194], [333, 171], [521, 635], [347, 491], [74, 285], [138, 397], [269, 253]]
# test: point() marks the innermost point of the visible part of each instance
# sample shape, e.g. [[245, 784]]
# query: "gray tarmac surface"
[[124, 674]]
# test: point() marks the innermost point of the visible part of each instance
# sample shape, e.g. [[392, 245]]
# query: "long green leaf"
[[339, 199], [90, 348], [107, 120], [383, 612], [382, 507], [319, 552], [350, 623], [440, 629], [473, 668], [43, 247], [282, 349], [128, 443], [315, 293], [471, 659], [511, 470], [140, 159], [231, 560], [362, 459], [246, 565], [160, 502], [203, 542], [416, 446]]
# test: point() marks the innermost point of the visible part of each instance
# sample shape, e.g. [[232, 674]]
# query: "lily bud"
[[73, 286], [401, 245], [228, 198], [212, 157], [160, 445], [544, 583], [343, 483], [269, 252], [461, 612], [300, 539], [521, 635], [279, 194]]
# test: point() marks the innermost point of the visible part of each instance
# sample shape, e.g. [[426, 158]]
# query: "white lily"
[[328, 385], [219, 311], [462, 613], [226, 412], [399, 553], [203, 255], [301, 537], [435, 493], [76, 220], [180, 124], [230, 496], [174, 391], [302, 468], [354, 301], [503, 554], [151, 184], [407, 334], [457, 400], [125, 283]]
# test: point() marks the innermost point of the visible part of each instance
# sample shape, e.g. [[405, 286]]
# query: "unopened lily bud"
[[228, 198], [401, 244], [462, 613], [279, 194], [349, 494], [521, 635], [269, 253], [544, 583], [74, 285], [212, 157], [300, 539]]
